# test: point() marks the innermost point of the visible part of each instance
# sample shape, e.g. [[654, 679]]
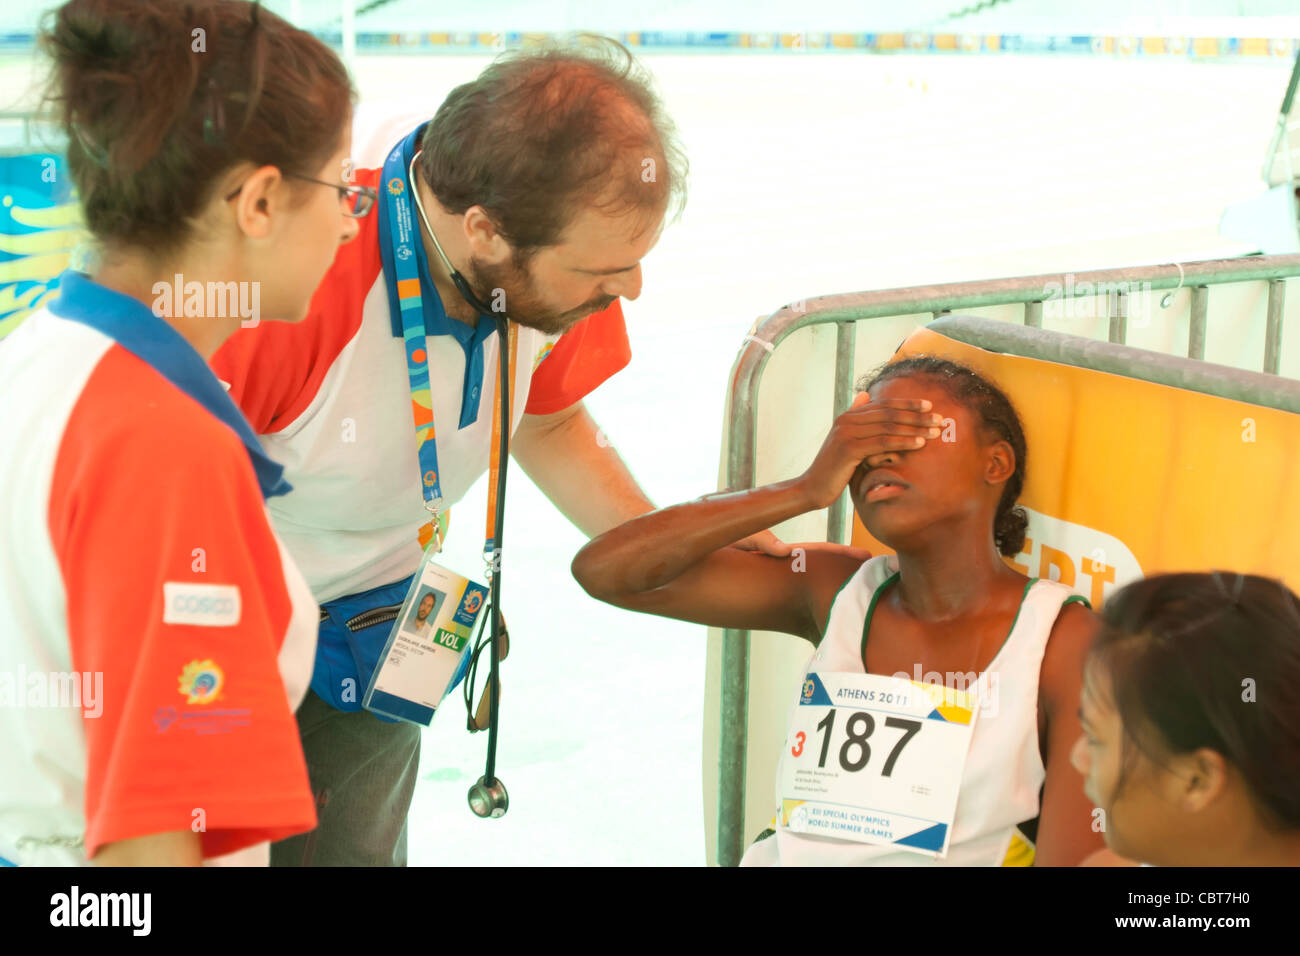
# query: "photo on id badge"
[[419, 622]]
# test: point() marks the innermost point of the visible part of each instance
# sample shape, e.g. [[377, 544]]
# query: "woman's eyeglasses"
[[359, 199]]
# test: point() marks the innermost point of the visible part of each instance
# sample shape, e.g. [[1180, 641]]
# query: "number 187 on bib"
[[876, 760]]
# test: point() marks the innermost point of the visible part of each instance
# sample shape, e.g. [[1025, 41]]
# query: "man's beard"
[[521, 300]]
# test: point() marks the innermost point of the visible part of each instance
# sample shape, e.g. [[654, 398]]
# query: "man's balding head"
[[542, 135]]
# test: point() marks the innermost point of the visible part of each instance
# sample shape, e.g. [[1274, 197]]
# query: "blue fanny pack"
[[353, 633]]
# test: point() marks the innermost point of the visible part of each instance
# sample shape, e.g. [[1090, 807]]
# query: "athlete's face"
[[597, 261], [950, 481]]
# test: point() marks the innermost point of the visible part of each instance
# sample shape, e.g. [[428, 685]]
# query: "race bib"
[[876, 760]]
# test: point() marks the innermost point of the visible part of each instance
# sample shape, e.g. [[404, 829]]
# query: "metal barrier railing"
[[846, 311]]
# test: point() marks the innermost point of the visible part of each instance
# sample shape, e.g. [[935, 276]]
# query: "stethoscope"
[[488, 797]]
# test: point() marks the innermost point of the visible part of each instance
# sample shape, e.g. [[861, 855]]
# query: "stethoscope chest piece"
[[489, 799]]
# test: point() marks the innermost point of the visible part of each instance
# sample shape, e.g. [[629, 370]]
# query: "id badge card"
[[424, 650], [876, 760]]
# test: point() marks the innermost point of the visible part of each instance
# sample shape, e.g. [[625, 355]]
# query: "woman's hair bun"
[[124, 73], [160, 98]]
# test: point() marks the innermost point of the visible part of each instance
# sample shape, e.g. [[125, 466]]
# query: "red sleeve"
[[275, 369], [149, 495], [586, 355]]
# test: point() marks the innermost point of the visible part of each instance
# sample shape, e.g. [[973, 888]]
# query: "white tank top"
[[1004, 773]]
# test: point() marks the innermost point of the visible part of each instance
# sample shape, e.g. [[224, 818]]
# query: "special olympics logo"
[[808, 687], [201, 681], [473, 601], [430, 477], [396, 186]]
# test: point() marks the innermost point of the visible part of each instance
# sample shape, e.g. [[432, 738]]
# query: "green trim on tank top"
[[866, 623], [838, 590]]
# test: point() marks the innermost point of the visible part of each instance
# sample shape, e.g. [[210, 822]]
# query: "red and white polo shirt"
[[330, 399], [155, 638]]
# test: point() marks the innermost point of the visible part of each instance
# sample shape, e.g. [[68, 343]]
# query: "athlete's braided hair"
[[998, 415]]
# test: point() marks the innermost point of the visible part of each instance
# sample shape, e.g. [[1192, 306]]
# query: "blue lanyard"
[[404, 288]]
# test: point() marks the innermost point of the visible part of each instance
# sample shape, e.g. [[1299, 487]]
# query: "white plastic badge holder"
[[876, 760], [430, 638]]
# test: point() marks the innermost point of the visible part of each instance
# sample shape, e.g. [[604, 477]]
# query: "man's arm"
[[577, 467]]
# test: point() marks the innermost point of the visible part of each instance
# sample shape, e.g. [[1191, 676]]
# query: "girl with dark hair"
[[946, 603], [1191, 721], [142, 590]]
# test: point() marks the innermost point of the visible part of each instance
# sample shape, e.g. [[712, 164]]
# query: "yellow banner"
[[1127, 478]]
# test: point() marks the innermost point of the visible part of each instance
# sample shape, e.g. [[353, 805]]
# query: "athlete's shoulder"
[[1075, 625], [1061, 675], [832, 571]]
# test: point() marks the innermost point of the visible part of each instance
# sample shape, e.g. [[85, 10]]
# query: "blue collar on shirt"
[[436, 320], [152, 340]]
